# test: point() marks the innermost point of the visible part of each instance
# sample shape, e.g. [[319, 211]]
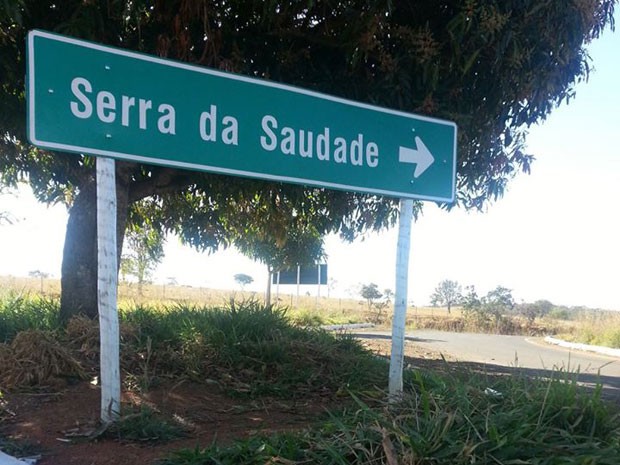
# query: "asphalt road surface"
[[531, 353]]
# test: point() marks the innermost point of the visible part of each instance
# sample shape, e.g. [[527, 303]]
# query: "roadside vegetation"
[[451, 415], [246, 348], [596, 328], [456, 418], [496, 312]]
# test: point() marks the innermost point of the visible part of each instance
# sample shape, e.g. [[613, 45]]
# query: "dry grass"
[[593, 327], [303, 309], [159, 294], [36, 358], [596, 328]]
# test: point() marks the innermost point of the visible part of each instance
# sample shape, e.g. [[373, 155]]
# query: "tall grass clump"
[[597, 328], [308, 316], [249, 348], [246, 347], [456, 419], [21, 312]]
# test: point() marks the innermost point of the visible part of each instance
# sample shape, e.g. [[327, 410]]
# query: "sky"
[[554, 235]]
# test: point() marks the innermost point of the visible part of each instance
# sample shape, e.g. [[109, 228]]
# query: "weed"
[[18, 447], [250, 348], [143, 424], [19, 312], [455, 419]]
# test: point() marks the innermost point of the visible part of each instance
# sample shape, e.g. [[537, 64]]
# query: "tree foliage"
[[370, 292], [447, 293], [493, 66], [243, 279], [533, 310], [491, 307], [143, 252]]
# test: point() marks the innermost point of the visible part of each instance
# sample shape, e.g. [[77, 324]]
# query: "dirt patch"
[[48, 420], [51, 421]]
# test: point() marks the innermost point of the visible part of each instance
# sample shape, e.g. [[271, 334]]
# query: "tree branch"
[[164, 180]]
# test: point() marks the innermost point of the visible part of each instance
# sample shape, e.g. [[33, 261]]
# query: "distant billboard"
[[316, 274]]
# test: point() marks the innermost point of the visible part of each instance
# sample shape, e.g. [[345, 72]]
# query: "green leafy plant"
[[143, 424], [457, 418]]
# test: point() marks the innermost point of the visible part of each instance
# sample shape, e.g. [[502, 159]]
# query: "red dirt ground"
[[47, 420]]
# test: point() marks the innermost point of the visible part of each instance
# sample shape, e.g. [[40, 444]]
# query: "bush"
[[561, 313]]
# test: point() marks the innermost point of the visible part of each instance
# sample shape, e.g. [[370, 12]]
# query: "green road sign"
[[97, 100]]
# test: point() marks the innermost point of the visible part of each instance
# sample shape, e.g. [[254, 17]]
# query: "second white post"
[[400, 301]]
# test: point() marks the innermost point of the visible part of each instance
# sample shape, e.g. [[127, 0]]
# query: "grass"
[[18, 447], [456, 419], [33, 303], [249, 349], [143, 424], [156, 295], [597, 328], [20, 312]]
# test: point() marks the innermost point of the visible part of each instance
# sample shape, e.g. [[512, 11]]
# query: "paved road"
[[517, 351]]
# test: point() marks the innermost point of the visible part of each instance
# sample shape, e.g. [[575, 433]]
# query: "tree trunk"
[[79, 262], [78, 282]]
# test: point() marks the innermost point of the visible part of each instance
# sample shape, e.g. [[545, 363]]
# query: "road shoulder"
[[583, 347]]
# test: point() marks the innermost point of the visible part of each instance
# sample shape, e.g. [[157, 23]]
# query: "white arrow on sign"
[[421, 156]]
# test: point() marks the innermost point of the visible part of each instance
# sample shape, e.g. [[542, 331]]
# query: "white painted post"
[[107, 285], [400, 302]]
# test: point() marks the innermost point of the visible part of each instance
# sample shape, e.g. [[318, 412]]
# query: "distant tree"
[[534, 310], [243, 280], [376, 301], [331, 285], [39, 274], [470, 300], [299, 243], [499, 301], [544, 307], [490, 308], [144, 247], [170, 281], [370, 292], [447, 293]]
